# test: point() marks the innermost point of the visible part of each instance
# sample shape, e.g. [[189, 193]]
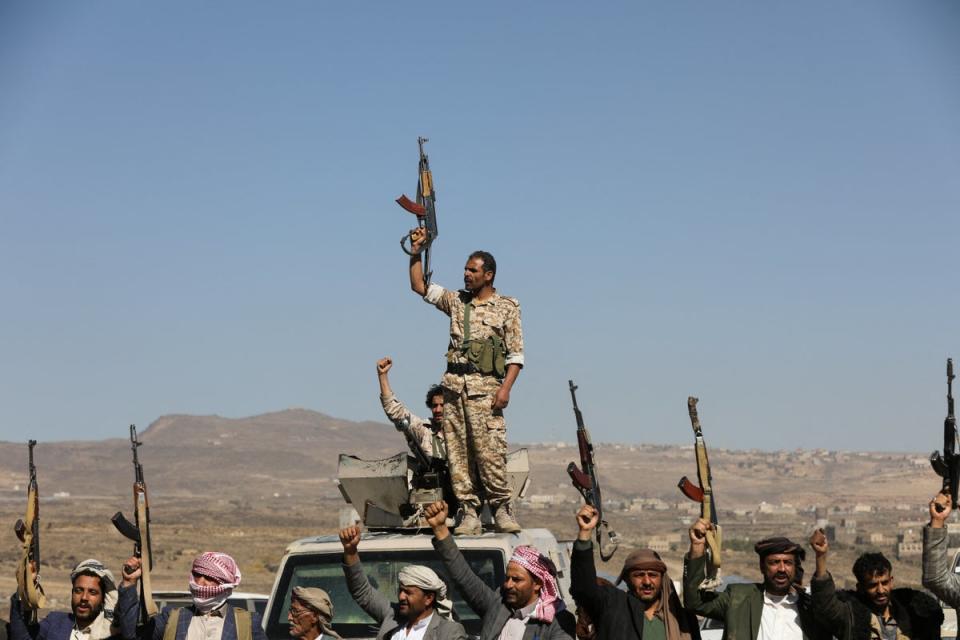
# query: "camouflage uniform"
[[476, 433], [432, 443]]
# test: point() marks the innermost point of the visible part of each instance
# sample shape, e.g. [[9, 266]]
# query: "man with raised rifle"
[[528, 605], [875, 610], [650, 608], [429, 433], [484, 358], [937, 574], [777, 608], [93, 596], [213, 577]]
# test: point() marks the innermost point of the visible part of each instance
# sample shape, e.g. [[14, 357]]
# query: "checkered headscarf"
[[216, 566], [543, 569]]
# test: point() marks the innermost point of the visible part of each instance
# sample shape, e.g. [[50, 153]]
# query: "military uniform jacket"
[[739, 605], [396, 411], [487, 603], [380, 609], [918, 615], [496, 316]]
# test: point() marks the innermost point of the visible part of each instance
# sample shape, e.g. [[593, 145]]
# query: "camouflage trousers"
[[476, 437]]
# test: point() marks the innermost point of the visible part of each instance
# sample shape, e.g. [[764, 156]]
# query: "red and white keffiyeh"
[[543, 570], [218, 567]]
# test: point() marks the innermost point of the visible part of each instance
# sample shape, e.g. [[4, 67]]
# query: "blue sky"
[[755, 203]]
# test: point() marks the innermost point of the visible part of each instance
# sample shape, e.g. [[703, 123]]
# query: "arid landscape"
[[250, 486]]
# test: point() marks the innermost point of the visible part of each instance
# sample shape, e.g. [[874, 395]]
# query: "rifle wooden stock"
[[29, 589], [146, 555], [704, 495]]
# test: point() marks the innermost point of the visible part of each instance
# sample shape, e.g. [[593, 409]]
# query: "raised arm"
[[478, 595], [417, 238], [827, 609], [937, 576], [583, 570], [363, 593], [710, 604]]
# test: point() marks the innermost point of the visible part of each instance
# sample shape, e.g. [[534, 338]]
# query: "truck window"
[[382, 568]]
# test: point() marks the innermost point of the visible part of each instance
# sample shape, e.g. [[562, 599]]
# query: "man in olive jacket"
[[528, 605], [776, 608], [937, 576]]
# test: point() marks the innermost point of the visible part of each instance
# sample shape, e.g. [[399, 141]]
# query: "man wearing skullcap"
[[311, 614], [777, 608], [213, 577], [650, 608], [529, 604], [422, 612], [92, 601], [875, 610]]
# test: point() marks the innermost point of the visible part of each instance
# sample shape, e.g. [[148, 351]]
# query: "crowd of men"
[[467, 432]]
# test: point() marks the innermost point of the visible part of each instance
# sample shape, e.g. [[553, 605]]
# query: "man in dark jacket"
[[528, 604], [650, 609], [91, 604], [875, 609], [776, 608]]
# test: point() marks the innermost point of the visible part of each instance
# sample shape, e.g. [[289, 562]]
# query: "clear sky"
[[752, 202]]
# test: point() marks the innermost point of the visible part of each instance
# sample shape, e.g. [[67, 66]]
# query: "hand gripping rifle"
[[425, 210], [139, 532], [586, 482], [29, 589], [947, 464], [703, 493]]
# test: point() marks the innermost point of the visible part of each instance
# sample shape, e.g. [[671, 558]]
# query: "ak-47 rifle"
[[139, 533], [28, 531], [703, 493], [947, 464], [585, 481], [425, 210]]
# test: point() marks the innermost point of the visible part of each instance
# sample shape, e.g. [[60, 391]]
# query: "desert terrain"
[[250, 486]]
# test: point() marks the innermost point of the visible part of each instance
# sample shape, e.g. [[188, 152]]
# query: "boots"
[[505, 520], [469, 522]]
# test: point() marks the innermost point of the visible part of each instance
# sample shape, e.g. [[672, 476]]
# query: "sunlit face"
[[86, 599], [436, 408], [414, 603], [474, 277], [301, 618], [519, 589], [779, 570], [645, 584], [877, 589]]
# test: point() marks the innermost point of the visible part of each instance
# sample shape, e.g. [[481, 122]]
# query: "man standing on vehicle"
[[92, 599], [875, 609], [484, 358], [649, 609], [429, 434], [213, 577], [422, 612], [311, 614], [528, 605], [784, 608]]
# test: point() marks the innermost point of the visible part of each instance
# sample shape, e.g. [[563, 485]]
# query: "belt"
[[461, 368]]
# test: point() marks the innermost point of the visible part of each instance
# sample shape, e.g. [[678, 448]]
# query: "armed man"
[[92, 601], [785, 608], [876, 609], [213, 577], [937, 574], [650, 608], [429, 433], [484, 358], [422, 612], [528, 605]]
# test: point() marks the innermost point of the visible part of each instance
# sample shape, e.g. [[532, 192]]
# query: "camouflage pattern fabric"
[[396, 411], [476, 438]]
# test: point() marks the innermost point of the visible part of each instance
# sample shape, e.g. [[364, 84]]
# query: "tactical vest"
[[487, 355]]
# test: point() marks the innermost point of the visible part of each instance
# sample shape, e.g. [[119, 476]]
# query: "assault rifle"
[[29, 589], [139, 531], [431, 482], [425, 210], [947, 464], [703, 493], [585, 481]]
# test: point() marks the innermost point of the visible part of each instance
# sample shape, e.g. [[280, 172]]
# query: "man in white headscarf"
[[92, 601], [311, 614], [213, 577], [422, 612]]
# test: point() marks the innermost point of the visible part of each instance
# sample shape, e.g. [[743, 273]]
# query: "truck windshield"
[[382, 568]]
